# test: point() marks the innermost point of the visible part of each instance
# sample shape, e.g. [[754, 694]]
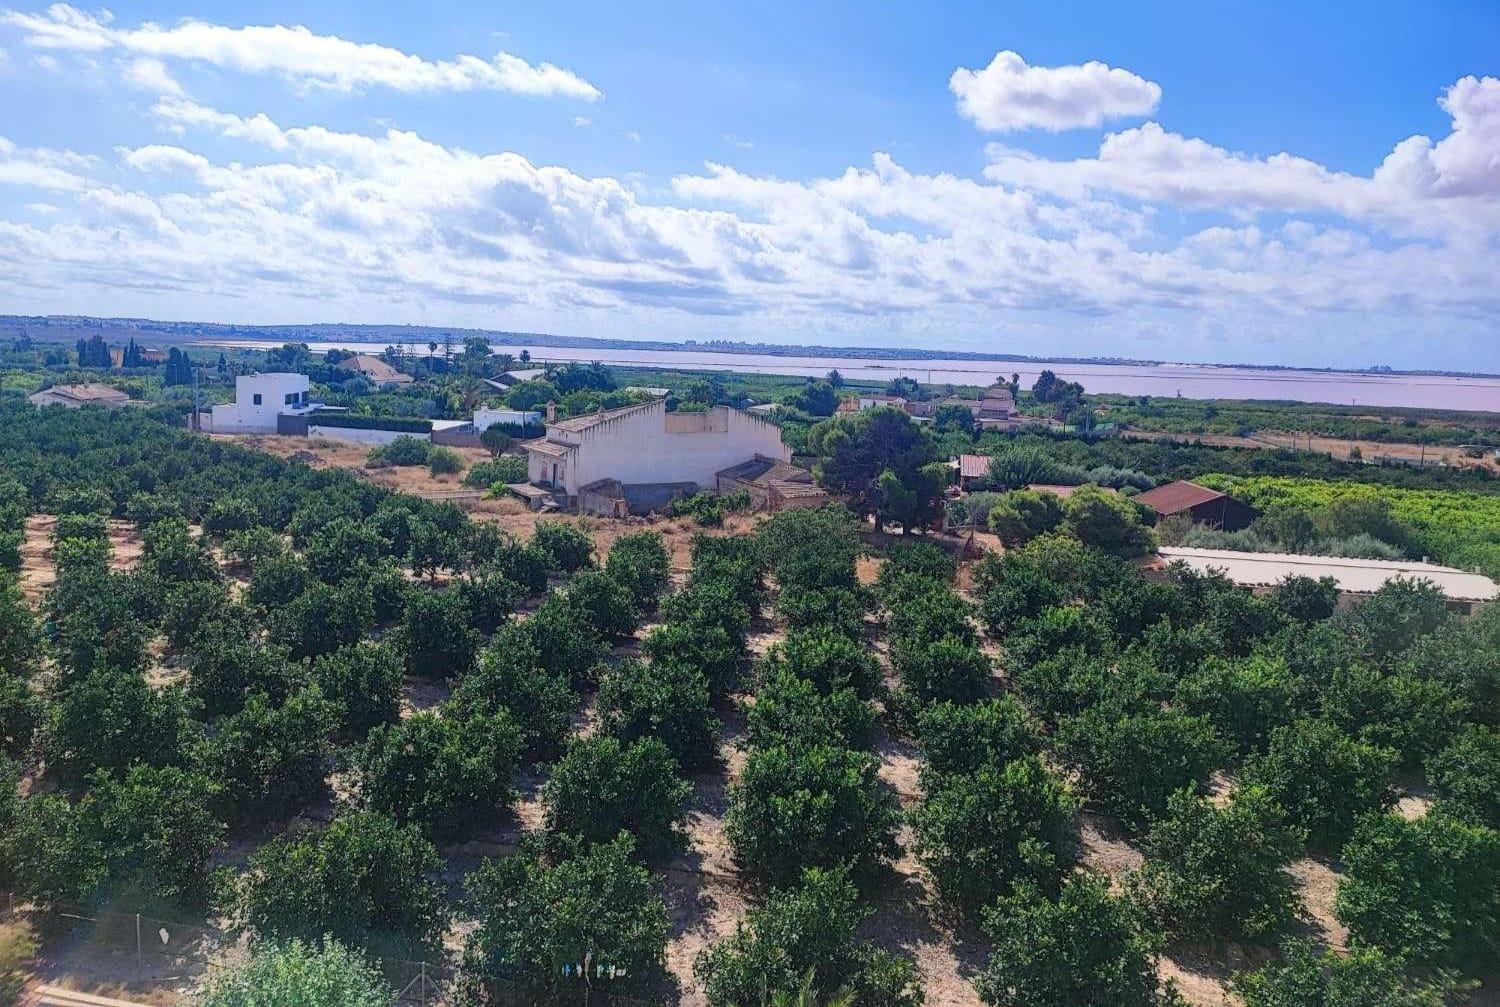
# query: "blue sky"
[[1289, 183]]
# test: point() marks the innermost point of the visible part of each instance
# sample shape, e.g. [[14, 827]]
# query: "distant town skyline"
[[1264, 185]]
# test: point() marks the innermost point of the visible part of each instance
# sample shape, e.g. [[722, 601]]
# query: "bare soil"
[[39, 567], [1336, 447]]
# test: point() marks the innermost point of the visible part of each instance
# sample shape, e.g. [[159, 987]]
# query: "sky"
[[1283, 183]]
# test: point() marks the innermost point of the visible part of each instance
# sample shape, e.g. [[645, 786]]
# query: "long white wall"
[[358, 435]]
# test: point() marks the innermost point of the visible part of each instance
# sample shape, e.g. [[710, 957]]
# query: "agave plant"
[[806, 996]]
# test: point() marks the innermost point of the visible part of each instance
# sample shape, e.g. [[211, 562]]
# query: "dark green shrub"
[[1132, 761], [829, 659], [1087, 947], [536, 915], [791, 710], [363, 879], [1360, 977], [963, 738], [1322, 778], [639, 561], [1427, 889], [513, 678], [364, 684], [805, 930], [445, 775], [601, 787], [436, 636], [1466, 775], [268, 761], [980, 834], [566, 546], [810, 807], [662, 700], [1219, 873]]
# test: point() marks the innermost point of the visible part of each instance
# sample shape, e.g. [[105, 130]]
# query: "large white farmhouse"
[[258, 400], [643, 455]]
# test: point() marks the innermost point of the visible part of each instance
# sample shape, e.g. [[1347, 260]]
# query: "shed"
[[1206, 506]]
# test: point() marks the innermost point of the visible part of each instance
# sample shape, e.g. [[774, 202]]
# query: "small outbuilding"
[[772, 484], [1205, 506], [77, 396], [374, 369]]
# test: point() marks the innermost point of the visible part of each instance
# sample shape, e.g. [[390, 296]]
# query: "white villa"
[[639, 457], [258, 400]]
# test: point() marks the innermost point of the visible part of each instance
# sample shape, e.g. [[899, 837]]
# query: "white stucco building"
[[643, 450], [258, 400], [486, 418]]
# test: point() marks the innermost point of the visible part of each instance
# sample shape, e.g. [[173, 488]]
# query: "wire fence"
[[149, 955]]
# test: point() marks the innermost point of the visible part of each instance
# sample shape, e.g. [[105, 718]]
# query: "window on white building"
[[256, 398]]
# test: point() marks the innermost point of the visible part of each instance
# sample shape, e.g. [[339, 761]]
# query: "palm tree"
[[808, 997]]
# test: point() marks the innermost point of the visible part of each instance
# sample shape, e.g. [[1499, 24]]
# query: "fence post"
[[424, 983], [140, 970]]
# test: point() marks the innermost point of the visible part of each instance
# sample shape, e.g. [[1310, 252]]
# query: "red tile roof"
[[1173, 498], [973, 466]]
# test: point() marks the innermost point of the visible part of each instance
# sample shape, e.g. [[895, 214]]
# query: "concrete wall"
[[486, 418], [356, 435]]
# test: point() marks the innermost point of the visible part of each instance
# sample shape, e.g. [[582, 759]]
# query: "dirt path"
[[38, 564]]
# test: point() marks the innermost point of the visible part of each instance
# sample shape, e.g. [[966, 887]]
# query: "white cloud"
[[297, 54], [582, 121], [151, 75], [739, 141], [4, 60], [1010, 94], [1445, 187], [300, 222], [632, 136]]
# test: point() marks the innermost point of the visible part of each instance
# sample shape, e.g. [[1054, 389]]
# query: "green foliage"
[[1466, 775], [445, 462], [21, 712], [709, 509], [1087, 947], [792, 710], [561, 638], [403, 451], [915, 559], [1106, 521], [153, 832], [436, 636], [826, 657], [963, 738], [606, 603], [1322, 778], [300, 975], [1246, 698], [669, 701], [322, 619], [981, 833], [230, 514], [1132, 761], [856, 450], [1011, 589], [602, 787], [447, 776], [945, 670], [566, 546], [497, 471], [837, 608], [276, 580], [1412, 716], [496, 441], [1305, 599], [227, 667], [810, 807], [342, 548], [173, 554], [1363, 977], [1022, 515], [362, 879], [1426, 889], [513, 678], [269, 761], [490, 598], [1218, 872], [364, 684], [639, 561], [253, 546], [802, 931], [111, 719], [535, 915]]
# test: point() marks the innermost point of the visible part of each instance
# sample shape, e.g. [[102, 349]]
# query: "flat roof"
[[1355, 576]]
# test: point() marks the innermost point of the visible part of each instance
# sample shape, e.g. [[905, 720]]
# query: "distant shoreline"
[[72, 326]]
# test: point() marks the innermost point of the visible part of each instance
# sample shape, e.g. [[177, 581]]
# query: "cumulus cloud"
[[298, 55], [1010, 94], [1446, 188], [149, 75], [239, 215]]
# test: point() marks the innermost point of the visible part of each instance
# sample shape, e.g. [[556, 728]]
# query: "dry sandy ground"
[[1337, 447], [39, 572]]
